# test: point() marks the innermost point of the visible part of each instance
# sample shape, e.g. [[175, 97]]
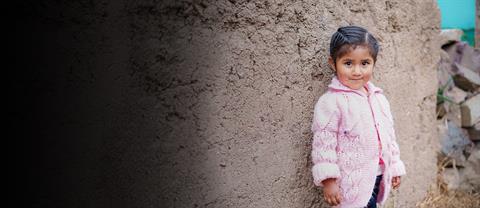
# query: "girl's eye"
[[348, 63], [365, 63]]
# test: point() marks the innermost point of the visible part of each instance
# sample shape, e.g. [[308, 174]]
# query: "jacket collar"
[[337, 85]]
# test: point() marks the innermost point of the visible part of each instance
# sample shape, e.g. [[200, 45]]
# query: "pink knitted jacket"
[[346, 146]]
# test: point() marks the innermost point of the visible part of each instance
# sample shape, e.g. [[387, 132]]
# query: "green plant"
[[441, 98]]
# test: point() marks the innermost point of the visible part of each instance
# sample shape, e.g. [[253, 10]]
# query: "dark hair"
[[349, 37]]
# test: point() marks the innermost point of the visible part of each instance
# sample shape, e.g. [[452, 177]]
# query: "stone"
[[471, 111], [455, 94], [474, 132], [444, 74], [451, 176], [470, 58], [441, 110], [463, 54], [454, 113], [470, 175], [474, 159], [450, 35], [465, 78], [454, 51], [467, 178], [454, 141]]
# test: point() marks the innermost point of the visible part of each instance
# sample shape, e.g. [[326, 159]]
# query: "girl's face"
[[354, 69]]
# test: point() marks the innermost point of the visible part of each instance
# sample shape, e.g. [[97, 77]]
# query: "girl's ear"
[[331, 63]]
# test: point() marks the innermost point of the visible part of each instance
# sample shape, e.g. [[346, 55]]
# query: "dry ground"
[[440, 197]]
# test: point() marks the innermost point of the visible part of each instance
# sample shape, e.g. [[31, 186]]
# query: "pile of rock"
[[458, 112]]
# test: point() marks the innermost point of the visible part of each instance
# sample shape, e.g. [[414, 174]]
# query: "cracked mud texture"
[[209, 103]]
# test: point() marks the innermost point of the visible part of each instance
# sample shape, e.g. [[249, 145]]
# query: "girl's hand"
[[331, 192], [395, 182]]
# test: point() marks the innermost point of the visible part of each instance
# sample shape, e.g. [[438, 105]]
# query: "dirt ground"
[[440, 196]]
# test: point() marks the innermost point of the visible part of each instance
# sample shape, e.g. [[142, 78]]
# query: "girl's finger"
[[338, 198], [394, 181], [334, 200], [329, 201], [396, 184]]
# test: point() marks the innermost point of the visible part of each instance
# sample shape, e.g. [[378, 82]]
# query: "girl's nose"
[[357, 70]]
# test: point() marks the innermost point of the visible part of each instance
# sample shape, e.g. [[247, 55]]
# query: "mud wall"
[[206, 103]]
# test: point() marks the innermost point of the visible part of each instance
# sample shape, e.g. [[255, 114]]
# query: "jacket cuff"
[[398, 168], [322, 171]]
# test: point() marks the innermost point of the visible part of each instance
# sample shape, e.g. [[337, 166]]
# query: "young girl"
[[355, 156]]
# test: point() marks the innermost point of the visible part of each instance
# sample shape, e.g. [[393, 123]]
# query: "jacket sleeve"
[[325, 128], [398, 167]]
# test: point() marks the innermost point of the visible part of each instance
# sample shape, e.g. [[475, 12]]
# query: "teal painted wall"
[[459, 14]]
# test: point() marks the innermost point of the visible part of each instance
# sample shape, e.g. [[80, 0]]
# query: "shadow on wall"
[[104, 113]]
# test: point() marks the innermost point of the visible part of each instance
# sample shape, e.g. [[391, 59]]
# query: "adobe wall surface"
[[209, 103]]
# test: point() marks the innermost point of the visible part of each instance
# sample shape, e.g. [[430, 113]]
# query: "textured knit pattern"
[[346, 145]]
